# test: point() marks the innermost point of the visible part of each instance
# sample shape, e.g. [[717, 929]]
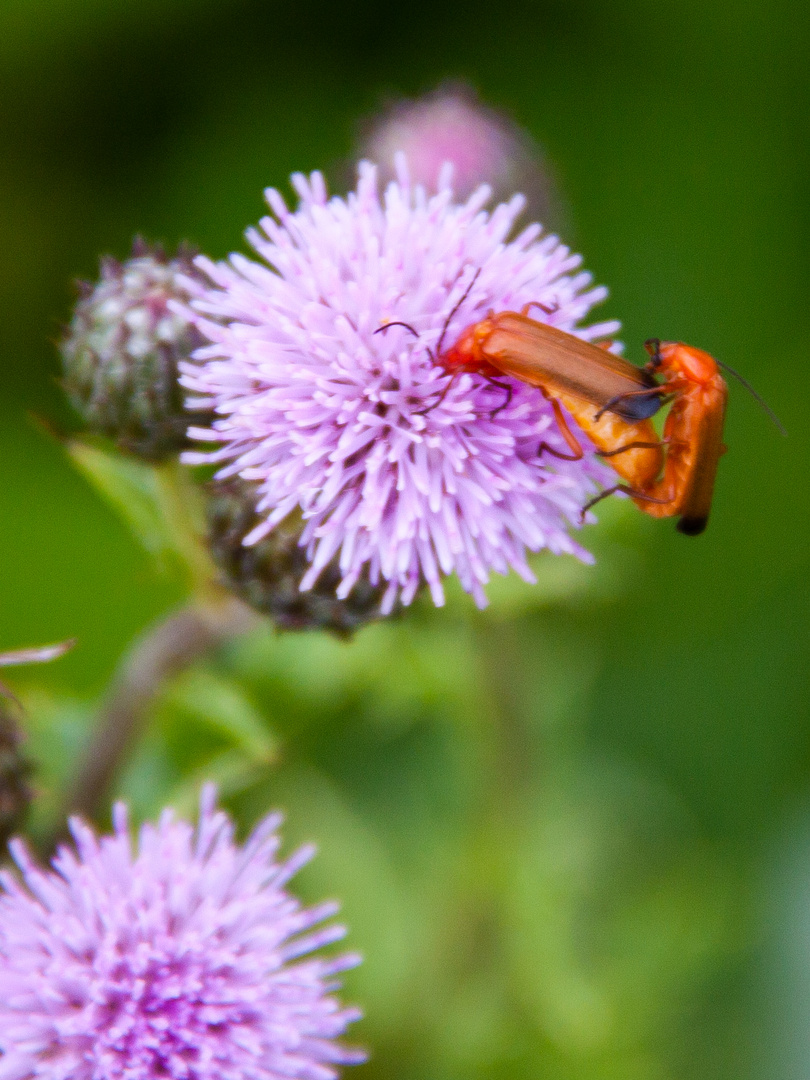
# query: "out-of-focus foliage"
[[553, 825]]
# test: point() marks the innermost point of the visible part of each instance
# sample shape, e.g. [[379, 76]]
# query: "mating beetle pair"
[[612, 401]]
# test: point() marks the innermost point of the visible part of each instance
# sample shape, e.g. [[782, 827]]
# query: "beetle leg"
[[603, 495], [566, 432], [507, 389], [653, 347], [437, 403], [630, 446], [627, 491], [649, 498], [524, 311]]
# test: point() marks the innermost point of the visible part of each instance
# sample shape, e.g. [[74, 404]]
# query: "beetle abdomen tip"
[[692, 526]]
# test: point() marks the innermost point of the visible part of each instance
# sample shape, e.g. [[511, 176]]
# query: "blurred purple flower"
[[484, 146], [327, 415], [178, 961]]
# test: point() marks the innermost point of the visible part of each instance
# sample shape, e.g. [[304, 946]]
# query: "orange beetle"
[[579, 376], [608, 397], [693, 432], [693, 435]]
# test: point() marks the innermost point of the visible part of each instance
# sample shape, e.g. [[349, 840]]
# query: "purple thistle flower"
[[181, 960], [328, 416]]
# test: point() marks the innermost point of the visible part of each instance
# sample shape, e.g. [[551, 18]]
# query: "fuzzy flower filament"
[[400, 477], [185, 959]]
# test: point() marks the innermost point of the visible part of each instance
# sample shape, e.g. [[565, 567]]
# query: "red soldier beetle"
[[693, 435], [608, 397], [578, 375], [568, 372]]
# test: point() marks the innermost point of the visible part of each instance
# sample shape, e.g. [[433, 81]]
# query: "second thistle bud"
[[484, 146], [122, 350], [268, 575]]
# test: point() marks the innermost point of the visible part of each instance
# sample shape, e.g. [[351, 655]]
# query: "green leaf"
[[131, 487], [162, 506], [231, 771], [223, 705]]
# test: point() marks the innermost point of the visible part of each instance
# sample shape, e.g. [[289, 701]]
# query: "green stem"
[[168, 647]]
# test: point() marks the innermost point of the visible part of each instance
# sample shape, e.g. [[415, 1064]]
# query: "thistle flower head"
[[122, 349], [400, 476], [185, 959]]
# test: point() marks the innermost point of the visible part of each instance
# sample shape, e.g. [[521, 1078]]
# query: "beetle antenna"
[[449, 318], [755, 396], [396, 322]]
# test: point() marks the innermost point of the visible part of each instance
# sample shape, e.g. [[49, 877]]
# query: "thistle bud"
[[484, 146], [268, 575], [122, 350], [15, 770]]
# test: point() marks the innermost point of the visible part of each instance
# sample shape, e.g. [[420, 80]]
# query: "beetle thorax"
[[467, 354], [691, 364]]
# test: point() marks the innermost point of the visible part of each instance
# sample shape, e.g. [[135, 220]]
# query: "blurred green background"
[[571, 834]]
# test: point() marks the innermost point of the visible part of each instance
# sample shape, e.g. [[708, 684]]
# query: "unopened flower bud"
[[484, 146], [122, 350], [15, 770], [268, 574]]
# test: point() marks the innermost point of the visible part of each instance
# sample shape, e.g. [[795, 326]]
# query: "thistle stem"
[[165, 649]]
